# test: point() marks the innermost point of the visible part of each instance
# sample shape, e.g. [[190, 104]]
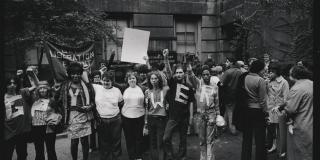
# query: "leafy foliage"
[[255, 17], [66, 22]]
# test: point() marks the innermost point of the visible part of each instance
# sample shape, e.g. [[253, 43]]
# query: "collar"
[[300, 81], [279, 79], [254, 74]]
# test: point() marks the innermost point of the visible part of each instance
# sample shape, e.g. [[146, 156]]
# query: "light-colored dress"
[[300, 110], [278, 91]]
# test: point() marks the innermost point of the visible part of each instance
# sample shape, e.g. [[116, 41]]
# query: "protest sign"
[[135, 45]]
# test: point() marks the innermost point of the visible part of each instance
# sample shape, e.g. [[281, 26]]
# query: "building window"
[[110, 45], [187, 35]]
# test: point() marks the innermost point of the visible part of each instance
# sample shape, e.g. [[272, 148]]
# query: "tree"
[[282, 27], [66, 22]]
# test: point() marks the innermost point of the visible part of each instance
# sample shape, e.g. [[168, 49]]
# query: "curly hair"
[[160, 81]]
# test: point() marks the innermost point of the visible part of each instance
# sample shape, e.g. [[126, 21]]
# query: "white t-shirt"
[[107, 101], [133, 102]]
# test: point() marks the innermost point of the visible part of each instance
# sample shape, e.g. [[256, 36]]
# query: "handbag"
[[220, 122], [58, 127]]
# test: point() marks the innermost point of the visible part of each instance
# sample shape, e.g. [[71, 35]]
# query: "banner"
[[135, 45], [60, 56]]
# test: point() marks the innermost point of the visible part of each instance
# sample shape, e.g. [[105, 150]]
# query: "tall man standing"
[[180, 97], [229, 82], [255, 113]]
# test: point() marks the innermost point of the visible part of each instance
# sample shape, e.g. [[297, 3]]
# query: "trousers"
[[133, 132], [156, 131], [109, 132], [207, 136], [255, 127], [182, 125]]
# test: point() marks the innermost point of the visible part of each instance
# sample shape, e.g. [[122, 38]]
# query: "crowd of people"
[[259, 100]]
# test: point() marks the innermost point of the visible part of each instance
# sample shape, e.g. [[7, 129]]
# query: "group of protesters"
[[257, 99]]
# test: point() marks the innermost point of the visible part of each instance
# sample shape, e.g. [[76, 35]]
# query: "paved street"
[[228, 147]]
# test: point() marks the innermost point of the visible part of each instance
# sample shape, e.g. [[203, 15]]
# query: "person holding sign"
[[180, 97]]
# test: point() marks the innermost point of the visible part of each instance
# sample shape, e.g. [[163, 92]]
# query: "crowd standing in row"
[[156, 101]]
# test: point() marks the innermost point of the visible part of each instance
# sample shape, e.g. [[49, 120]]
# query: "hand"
[[167, 106], [268, 120], [56, 87], [145, 58], [189, 68], [165, 52], [275, 110], [85, 67], [87, 108], [19, 72], [290, 129], [53, 122], [103, 69], [145, 130]]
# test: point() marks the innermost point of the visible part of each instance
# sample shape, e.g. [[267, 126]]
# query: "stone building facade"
[[185, 27]]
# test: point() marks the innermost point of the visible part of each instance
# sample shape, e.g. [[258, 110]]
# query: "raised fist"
[[19, 72], [165, 52]]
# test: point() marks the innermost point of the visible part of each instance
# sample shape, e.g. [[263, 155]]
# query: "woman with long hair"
[[156, 114], [17, 123]]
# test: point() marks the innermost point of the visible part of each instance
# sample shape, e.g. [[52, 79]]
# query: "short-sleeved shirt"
[[179, 97], [107, 101], [133, 102]]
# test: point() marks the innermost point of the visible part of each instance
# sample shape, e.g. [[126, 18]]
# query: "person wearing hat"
[[76, 99], [43, 120]]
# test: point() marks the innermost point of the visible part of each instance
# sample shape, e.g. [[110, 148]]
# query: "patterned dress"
[[79, 122]]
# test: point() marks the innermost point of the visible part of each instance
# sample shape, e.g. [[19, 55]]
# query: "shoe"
[[283, 155], [272, 149]]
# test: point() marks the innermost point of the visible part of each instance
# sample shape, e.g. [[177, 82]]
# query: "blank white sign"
[[135, 45]]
